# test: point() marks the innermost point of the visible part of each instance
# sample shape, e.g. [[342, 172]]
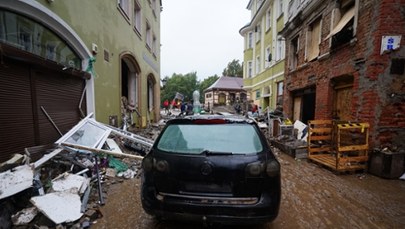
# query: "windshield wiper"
[[208, 153]]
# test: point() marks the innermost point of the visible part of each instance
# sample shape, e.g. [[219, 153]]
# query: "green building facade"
[[116, 42]]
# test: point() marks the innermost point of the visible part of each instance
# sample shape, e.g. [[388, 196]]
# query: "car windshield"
[[216, 139]]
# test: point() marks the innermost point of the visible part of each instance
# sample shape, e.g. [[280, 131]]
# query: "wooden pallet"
[[334, 144], [319, 137], [343, 165]]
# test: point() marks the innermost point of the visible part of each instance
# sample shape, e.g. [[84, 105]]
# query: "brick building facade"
[[345, 60]]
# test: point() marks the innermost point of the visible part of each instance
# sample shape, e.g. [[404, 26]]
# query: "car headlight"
[[273, 168], [254, 169], [162, 166]]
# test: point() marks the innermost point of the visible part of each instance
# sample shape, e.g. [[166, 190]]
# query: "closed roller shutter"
[[23, 90], [59, 94], [16, 112]]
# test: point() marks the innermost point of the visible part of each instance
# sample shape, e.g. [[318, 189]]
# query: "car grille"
[[221, 200]]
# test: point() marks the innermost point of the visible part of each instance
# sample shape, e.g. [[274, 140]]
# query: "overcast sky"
[[201, 35]]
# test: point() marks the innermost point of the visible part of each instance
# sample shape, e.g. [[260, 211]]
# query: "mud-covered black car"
[[213, 169]]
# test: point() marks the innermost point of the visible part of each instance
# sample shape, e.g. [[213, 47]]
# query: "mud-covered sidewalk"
[[312, 197]]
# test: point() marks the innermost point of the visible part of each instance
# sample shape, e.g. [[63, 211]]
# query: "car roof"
[[227, 118]]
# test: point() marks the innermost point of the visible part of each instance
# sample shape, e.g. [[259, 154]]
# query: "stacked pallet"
[[341, 146]]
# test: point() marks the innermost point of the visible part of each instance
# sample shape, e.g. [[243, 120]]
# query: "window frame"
[[280, 8], [137, 17], [293, 54], [250, 40], [258, 65], [268, 19], [280, 91], [258, 32], [313, 41], [148, 36], [124, 7], [250, 69], [280, 50], [267, 63]]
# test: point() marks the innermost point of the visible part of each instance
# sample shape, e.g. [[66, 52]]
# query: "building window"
[[25, 39], [25, 34], [154, 46], [343, 27], [250, 40], [150, 95], [257, 65], [137, 17], [124, 7], [280, 91], [51, 51], [268, 57], [148, 36], [268, 19], [257, 94], [258, 32], [280, 49], [250, 69], [153, 6], [293, 58], [280, 7], [313, 40]]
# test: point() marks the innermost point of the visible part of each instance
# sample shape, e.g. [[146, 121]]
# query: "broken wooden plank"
[[94, 150], [46, 157]]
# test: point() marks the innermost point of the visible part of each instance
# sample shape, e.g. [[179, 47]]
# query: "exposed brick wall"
[[378, 96]]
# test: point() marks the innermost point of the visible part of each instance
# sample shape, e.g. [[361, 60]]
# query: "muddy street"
[[312, 197]]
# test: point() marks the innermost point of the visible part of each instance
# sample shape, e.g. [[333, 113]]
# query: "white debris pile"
[[65, 183]]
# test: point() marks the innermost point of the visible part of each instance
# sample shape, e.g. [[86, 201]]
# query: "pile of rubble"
[[63, 185]]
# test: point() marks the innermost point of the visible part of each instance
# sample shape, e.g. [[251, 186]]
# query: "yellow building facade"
[[264, 52]]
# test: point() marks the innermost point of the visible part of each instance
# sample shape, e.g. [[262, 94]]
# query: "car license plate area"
[[209, 200], [225, 189]]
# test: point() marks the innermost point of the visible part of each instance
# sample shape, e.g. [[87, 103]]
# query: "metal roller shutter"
[[23, 90], [59, 94], [16, 112]]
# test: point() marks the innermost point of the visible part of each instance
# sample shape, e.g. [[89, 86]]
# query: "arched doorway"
[[130, 102], [47, 81]]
